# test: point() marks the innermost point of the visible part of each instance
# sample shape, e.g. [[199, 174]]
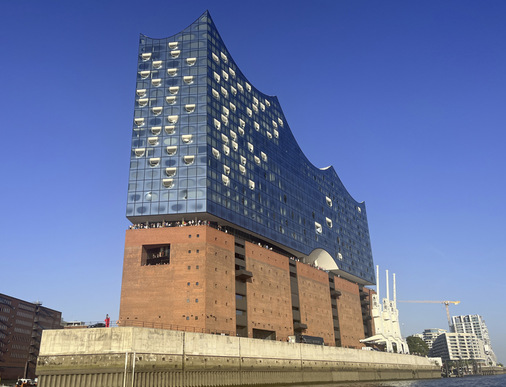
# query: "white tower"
[[386, 319]]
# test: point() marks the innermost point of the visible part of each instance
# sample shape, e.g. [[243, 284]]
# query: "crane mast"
[[446, 303]]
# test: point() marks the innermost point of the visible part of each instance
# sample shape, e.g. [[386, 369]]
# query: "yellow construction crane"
[[446, 303]]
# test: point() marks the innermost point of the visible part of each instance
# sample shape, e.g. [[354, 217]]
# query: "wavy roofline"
[[324, 170], [206, 12], [329, 168]]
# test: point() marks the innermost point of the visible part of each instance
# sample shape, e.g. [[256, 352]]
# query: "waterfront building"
[[475, 324], [431, 334], [458, 347], [387, 330], [21, 325], [233, 230]]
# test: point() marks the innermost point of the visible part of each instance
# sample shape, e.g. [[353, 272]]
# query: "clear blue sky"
[[405, 98]]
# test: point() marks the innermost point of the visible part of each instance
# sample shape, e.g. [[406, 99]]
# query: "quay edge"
[[133, 356]]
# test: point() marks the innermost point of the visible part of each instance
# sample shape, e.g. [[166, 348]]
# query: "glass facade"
[[206, 142]]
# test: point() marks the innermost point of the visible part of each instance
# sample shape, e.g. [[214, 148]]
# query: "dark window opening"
[[264, 334], [155, 255]]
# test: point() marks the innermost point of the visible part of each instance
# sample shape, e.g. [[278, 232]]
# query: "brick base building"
[[201, 279]]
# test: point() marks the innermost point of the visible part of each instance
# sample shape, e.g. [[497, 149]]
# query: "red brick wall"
[[202, 268], [268, 295], [314, 299], [350, 313], [369, 299], [220, 277], [182, 294]]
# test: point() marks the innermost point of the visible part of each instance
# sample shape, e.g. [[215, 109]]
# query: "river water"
[[468, 381]]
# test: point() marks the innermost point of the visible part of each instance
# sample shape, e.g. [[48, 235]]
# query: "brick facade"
[[314, 298], [350, 313], [197, 290], [269, 301]]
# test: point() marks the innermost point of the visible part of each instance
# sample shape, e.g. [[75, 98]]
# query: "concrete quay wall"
[[132, 356]]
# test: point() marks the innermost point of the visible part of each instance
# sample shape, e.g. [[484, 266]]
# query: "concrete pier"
[[145, 357]]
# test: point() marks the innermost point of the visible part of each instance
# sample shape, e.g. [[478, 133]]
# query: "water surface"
[[468, 381]]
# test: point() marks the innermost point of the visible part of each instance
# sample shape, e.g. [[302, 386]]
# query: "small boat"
[[26, 383]]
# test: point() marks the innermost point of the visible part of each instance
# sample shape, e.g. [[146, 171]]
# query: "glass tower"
[[207, 145]]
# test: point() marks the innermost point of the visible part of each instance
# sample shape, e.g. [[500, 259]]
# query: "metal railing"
[[173, 327]]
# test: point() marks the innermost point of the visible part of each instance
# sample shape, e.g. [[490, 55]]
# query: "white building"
[[386, 320], [431, 334], [458, 346], [476, 325]]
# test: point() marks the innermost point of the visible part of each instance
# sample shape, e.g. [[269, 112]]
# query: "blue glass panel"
[[241, 162]]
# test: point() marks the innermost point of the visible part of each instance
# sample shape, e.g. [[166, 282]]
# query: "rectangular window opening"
[[155, 255]]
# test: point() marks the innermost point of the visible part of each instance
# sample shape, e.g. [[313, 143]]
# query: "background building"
[[21, 325], [234, 230], [457, 347], [430, 335], [476, 325], [385, 315]]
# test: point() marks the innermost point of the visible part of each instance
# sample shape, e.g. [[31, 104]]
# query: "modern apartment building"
[[430, 335], [475, 324], [458, 346], [21, 325], [233, 230]]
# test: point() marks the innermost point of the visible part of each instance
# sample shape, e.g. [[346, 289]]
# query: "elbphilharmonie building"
[[234, 230]]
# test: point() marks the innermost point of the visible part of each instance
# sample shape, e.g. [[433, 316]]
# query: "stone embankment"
[[131, 356], [492, 371]]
